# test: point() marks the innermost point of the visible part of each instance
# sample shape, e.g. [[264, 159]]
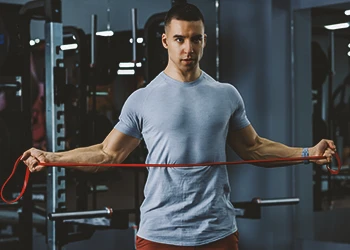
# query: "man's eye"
[[197, 40], [180, 40]]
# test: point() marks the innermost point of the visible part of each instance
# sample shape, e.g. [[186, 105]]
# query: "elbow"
[[251, 150], [115, 156], [106, 155]]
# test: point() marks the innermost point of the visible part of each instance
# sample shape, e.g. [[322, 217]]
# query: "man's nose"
[[188, 47]]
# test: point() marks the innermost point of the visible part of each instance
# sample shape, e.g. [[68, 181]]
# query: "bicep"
[[119, 144], [242, 140]]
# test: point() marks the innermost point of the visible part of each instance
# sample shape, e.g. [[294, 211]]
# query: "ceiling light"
[[126, 72], [69, 46], [126, 65], [105, 33], [337, 26]]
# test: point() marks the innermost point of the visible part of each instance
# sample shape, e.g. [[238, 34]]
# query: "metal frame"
[[56, 185]]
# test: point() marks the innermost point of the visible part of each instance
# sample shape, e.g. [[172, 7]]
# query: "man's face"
[[185, 42]]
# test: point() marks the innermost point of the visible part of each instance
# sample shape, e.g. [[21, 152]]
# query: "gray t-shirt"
[[185, 122]]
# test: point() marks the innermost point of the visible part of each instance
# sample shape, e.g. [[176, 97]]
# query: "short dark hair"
[[184, 12]]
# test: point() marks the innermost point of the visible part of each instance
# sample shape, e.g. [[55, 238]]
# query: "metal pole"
[[54, 129], [92, 90], [93, 40], [276, 201], [330, 104], [134, 33], [217, 36], [55, 187], [330, 84], [107, 212], [293, 119]]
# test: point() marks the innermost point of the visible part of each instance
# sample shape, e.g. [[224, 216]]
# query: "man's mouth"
[[188, 59]]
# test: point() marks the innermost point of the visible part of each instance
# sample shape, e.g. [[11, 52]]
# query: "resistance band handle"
[[26, 178]]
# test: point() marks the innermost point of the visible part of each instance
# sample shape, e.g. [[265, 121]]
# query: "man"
[[184, 116]]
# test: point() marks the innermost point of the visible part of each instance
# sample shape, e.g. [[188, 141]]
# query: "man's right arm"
[[114, 149]]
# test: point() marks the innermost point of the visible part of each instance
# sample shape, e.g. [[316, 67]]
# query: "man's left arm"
[[250, 146]]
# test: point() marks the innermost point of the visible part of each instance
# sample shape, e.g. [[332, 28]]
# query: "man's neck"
[[187, 76]]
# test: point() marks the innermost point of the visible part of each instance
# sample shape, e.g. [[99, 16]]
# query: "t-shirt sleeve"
[[130, 119], [238, 118]]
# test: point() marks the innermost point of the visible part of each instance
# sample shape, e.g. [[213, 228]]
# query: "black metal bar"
[[217, 38], [330, 84], [93, 40], [79, 215], [134, 34], [53, 11], [331, 57], [276, 202], [92, 87], [10, 82], [252, 209]]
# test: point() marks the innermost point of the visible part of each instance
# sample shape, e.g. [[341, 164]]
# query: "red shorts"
[[228, 243]]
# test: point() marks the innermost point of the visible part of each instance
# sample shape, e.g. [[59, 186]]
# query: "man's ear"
[[205, 39], [164, 41]]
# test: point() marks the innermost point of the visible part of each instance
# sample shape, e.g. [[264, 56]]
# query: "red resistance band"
[[57, 164]]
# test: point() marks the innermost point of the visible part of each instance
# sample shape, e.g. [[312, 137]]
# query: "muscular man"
[[184, 116]]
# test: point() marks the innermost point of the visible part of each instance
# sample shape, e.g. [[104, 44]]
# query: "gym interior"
[[67, 68]]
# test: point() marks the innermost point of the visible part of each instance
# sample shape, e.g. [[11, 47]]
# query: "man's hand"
[[323, 148], [33, 157]]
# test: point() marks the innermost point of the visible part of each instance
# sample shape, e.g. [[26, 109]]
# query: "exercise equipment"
[[16, 117], [212, 164], [55, 98], [330, 120], [156, 56], [252, 209]]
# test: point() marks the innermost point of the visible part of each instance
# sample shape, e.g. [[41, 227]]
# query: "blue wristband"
[[305, 153]]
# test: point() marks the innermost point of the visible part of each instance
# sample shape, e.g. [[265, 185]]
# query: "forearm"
[[266, 149], [92, 154], [114, 149]]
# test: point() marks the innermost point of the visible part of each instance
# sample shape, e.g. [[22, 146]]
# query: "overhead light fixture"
[[126, 65], [129, 65], [126, 72], [347, 12], [138, 40], [69, 46], [337, 26], [105, 33]]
